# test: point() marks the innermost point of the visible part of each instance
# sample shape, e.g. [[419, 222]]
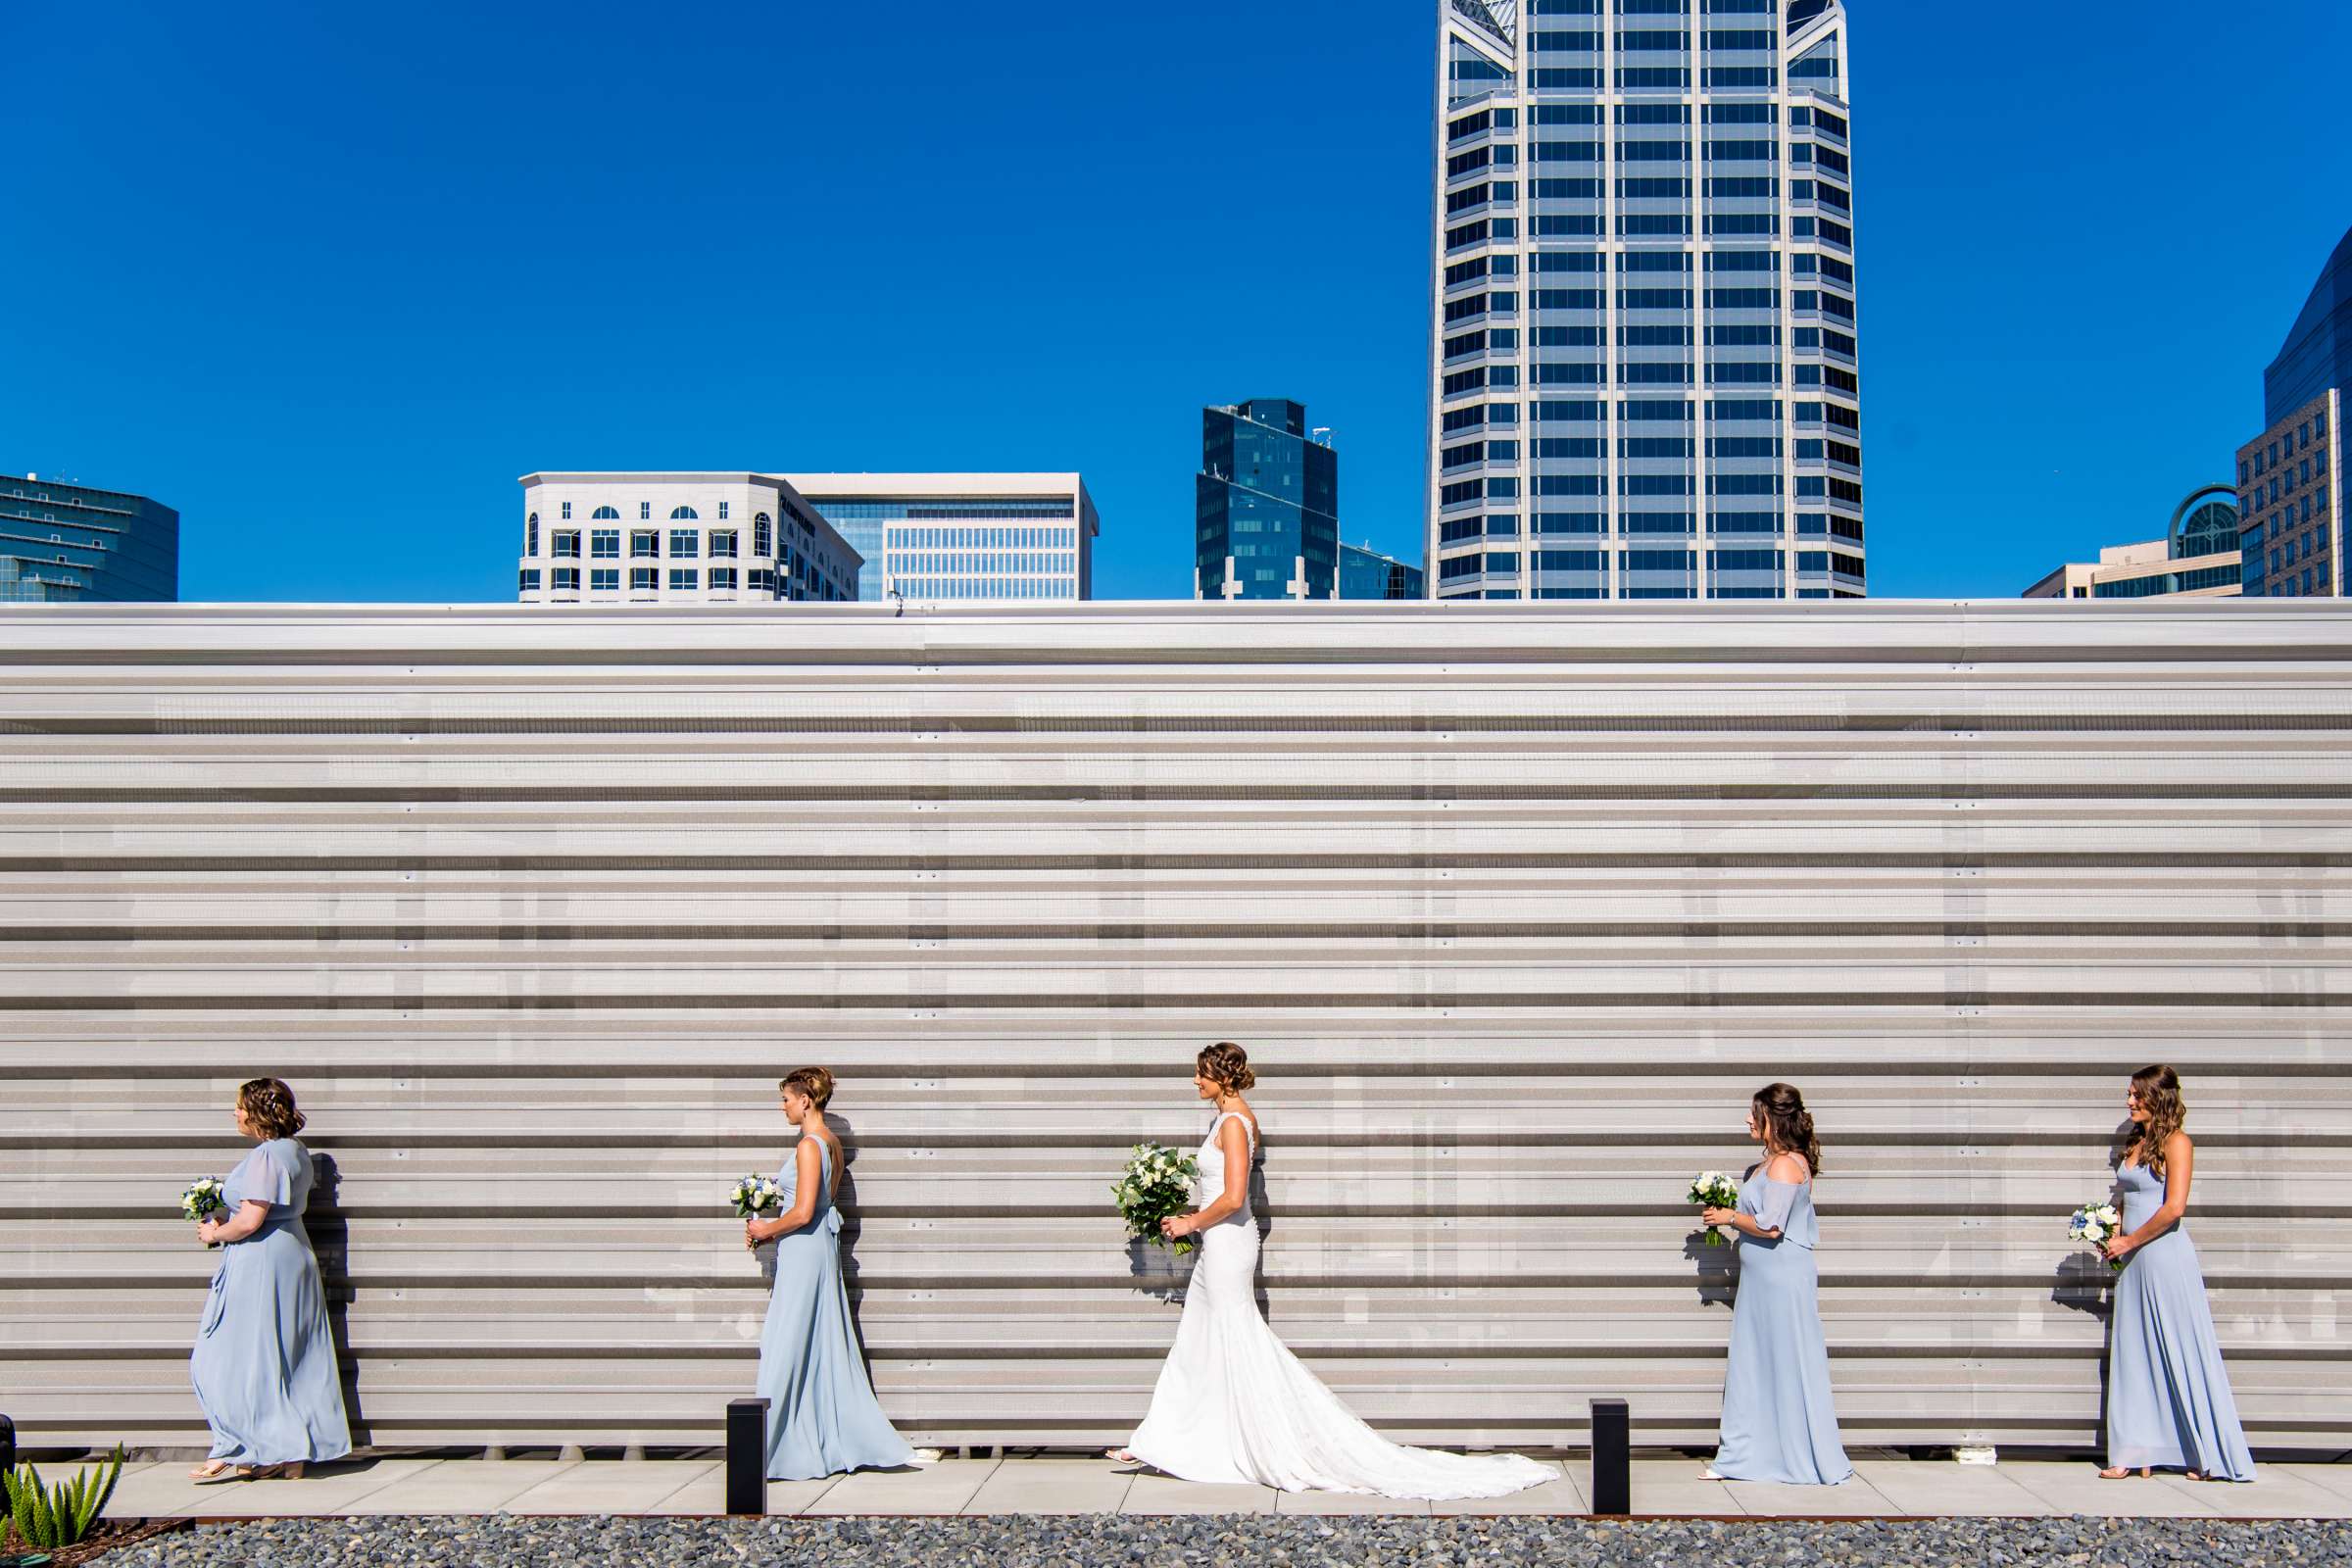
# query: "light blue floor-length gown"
[[1779, 1422], [265, 1361], [822, 1417], [2168, 1398]]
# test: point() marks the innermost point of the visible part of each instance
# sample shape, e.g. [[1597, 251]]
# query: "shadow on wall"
[[2084, 1283], [1263, 1208], [844, 1199], [1718, 1268], [1160, 1273], [330, 1240]]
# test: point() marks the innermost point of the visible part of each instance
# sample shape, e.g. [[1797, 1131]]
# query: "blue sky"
[[328, 278]]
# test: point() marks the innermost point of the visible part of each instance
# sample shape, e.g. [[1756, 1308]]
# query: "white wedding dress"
[[1233, 1405]]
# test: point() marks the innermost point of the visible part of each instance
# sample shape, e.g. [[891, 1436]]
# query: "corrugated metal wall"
[[1515, 906]]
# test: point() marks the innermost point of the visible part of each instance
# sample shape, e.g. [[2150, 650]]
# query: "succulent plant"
[[48, 1516]]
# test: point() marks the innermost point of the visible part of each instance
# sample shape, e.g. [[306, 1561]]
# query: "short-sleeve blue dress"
[[265, 1361]]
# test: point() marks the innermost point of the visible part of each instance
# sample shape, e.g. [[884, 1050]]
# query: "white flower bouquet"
[[1157, 1185], [204, 1198], [1714, 1190], [754, 1195], [2097, 1224]]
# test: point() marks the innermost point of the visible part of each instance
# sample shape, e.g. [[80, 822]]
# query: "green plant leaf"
[[106, 1493], [20, 1501], [86, 1492], [44, 1520]]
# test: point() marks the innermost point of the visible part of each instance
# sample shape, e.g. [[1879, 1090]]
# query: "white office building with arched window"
[[678, 539]]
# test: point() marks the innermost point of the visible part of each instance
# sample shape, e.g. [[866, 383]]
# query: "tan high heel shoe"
[[290, 1471]]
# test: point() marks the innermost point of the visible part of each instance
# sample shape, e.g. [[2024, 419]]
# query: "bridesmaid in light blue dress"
[[265, 1361], [2169, 1403], [1779, 1421], [822, 1417]]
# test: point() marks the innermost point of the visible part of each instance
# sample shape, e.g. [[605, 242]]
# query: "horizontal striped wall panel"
[[1514, 904]]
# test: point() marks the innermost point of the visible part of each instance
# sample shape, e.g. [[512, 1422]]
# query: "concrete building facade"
[[2292, 505], [654, 538], [2196, 558]]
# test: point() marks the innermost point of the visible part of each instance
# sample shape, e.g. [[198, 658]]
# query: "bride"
[[1232, 1404]]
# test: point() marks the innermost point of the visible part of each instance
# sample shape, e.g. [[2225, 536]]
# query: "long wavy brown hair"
[[1786, 1123], [2159, 1091]]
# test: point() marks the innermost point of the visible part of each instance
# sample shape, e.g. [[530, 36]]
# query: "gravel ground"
[[1243, 1543]]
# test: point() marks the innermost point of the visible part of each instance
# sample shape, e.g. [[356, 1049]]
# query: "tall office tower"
[[1645, 382], [963, 538], [1267, 505], [677, 539], [2291, 478], [71, 544]]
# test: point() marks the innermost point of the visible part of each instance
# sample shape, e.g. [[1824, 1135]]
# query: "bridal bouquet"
[[202, 1199], [753, 1195], [2099, 1224], [1156, 1184], [1714, 1190]]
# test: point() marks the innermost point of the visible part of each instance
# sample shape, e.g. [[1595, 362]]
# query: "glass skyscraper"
[[963, 538], [1645, 379], [1268, 504], [71, 544], [2291, 478], [1366, 574]]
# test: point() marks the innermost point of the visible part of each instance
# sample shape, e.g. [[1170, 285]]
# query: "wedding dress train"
[[1233, 1405]]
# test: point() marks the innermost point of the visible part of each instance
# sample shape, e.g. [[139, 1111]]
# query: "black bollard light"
[[747, 1456], [8, 1446], [1612, 1457]]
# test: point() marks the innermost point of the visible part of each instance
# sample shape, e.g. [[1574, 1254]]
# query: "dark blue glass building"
[[69, 544], [1268, 504], [1366, 574], [2290, 487], [2318, 352]]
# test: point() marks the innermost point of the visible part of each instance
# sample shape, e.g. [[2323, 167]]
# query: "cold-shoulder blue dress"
[[1779, 1421]]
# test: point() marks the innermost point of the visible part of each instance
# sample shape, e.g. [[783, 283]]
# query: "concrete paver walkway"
[[1880, 1489]]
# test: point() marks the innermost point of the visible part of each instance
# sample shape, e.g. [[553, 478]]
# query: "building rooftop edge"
[[651, 476]]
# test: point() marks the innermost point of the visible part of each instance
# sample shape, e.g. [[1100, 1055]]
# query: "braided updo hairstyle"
[[268, 1107], [1226, 1065], [814, 1082], [1786, 1124]]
